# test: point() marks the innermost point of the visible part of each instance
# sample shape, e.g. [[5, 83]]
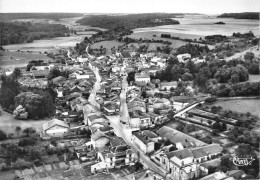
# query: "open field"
[[47, 44], [107, 44], [153, 46], [8, 123], [254, 78], [150, 34], [19, 58], [241, 105], [175, 43]]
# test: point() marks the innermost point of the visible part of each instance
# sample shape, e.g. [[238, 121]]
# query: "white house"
[[55, 128], [183, 57], [144, 140], [142, 77]]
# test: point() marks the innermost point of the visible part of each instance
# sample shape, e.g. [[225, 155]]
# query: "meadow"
[[47, 44], [8, 123], [19, 59], [156, 35], [241, 105]]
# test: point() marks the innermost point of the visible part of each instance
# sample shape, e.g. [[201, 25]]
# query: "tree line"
[[26, 32], [6, 17], [130, 21], [244, 15]]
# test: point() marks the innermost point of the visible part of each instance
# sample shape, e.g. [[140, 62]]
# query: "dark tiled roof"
[[126, 55], [181, 154], [142, 137], [117, 141]]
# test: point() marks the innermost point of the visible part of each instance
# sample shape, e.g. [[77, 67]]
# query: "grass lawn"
[[8, 123], [19, 58], [107, 44]]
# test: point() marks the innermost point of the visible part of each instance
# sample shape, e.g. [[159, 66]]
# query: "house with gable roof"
[[55, 128], [111, 108], [181, 140], [206, 153], [144, 140]]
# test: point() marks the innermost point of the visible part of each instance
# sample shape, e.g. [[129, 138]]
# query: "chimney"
[[186, 140]]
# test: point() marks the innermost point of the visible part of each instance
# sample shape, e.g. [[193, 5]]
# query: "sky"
[[131, 6]]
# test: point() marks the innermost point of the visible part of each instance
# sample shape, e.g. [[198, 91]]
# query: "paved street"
[[96, 87], [125, 131]]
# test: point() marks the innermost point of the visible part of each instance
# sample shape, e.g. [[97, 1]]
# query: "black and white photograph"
[[129, 90]]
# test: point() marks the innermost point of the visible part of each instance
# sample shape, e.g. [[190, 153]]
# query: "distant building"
[[40, 73], [126, 55], [168, 85]]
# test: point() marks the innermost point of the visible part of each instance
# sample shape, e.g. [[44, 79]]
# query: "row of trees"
[[237, 89]]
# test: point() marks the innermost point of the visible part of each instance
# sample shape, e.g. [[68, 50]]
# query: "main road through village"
[[124, 130]]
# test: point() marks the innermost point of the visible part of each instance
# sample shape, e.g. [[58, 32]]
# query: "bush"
[[27, 141], [3, 135], [54, 142]]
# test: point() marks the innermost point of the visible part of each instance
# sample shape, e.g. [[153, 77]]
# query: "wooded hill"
[[17, 33], [244, 15], [130, 21], [6, 17]]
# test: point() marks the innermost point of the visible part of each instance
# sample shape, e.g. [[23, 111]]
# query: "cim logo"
[[242, 161]]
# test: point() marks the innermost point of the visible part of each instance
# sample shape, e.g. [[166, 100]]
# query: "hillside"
[[17, 33], [245, 15], [7, 17], [130, 21]]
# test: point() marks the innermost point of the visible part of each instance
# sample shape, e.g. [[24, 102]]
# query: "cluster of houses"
[[183, 159]]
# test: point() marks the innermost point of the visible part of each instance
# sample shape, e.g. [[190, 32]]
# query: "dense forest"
[[17, 33], [129, 21], [7, 17], [244, 15]]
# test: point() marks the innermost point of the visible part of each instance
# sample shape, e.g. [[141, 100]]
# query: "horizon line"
[[129, 13]]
